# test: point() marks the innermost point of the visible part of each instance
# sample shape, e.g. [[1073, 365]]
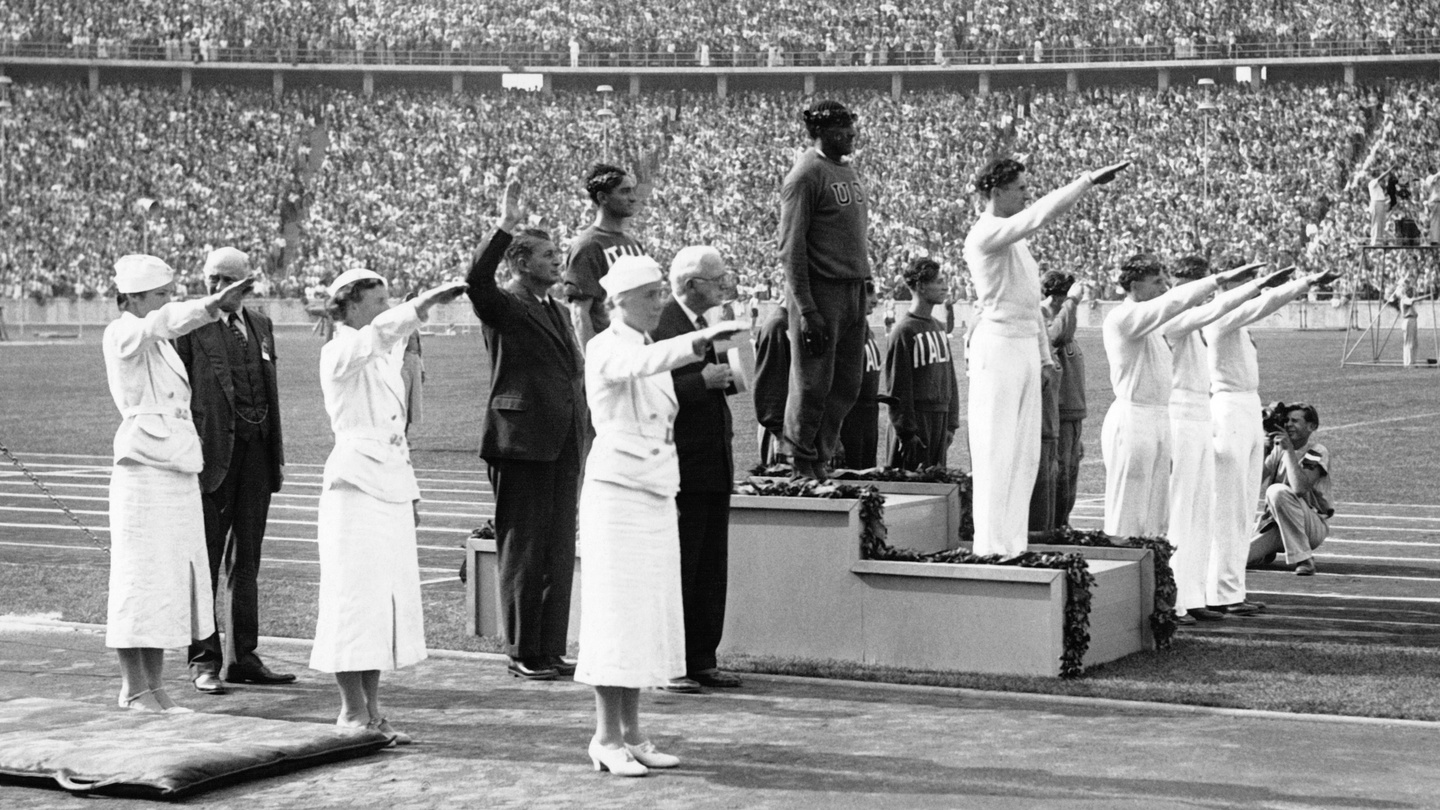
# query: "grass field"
[[1314, 652], [1377, 421]]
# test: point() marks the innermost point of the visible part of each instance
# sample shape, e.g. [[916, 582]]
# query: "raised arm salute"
[[370, 615], [536, 426], [1008, 346], [1135, 439], [160, 591], [1239, 437]]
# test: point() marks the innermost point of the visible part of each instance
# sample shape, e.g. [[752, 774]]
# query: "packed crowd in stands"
[[406, 181], [832, 33]]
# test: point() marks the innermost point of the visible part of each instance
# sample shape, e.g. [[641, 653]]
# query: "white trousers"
[[1004, 415], [1410, 348], [1379, 212], [1192, 495], [1239, 458], [1135, 444]]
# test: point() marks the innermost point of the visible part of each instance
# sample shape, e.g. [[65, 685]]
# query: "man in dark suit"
[[536, 426], [236, 409], [703, 436]]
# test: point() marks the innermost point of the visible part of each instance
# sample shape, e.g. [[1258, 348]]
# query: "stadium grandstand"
[[706, 32], [326, 175]]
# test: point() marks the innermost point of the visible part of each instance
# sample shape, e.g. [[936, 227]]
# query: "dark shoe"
[[532, 670], [261, 675], [682, 686], [715, 679], [1184, 620], [1305, 569], [1205, 614], [1241, 608], [208, 683], [563, 666]]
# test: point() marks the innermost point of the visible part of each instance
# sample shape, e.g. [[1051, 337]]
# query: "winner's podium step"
[[798, 588]]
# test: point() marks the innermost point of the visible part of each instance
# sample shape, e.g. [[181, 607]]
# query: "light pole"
[[1205, 107], [606, 116], [144, 206], [4, 146]]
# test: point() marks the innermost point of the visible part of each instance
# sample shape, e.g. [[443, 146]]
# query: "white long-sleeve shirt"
[[1183, 333], [365, 397], [1006, 277], [1141, 364], [1230, 351], [151, 388]]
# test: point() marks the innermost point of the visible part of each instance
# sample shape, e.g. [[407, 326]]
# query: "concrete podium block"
[[971, 618], [949, 536], [798, 589]]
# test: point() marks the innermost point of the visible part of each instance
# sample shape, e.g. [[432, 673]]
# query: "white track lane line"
[[1429, 600]]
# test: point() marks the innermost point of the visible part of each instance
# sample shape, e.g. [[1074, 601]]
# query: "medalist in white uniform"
[[1192, 446], [370, 612], [1004, 355], [1135, 439], [160, 594], [1239, 438]]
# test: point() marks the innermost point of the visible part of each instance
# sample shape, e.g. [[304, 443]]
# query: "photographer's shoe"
[[1305, 569]]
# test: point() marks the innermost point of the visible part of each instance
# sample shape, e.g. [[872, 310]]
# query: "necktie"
[[234, 321]]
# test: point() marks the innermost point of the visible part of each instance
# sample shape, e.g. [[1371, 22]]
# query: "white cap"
[[350, 277], [629, 272], [232, 262], [137, 273]]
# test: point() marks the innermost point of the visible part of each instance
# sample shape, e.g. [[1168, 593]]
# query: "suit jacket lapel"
[[540, 313], [212, 341]]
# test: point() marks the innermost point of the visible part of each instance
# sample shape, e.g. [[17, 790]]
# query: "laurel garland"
[[873, 545], [1162, 616]]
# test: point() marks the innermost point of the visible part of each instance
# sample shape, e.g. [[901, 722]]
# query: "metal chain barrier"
[[38, 483]]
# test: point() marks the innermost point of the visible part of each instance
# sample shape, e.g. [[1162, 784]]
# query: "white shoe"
[[615, 760], [134, 702], [646, 754]]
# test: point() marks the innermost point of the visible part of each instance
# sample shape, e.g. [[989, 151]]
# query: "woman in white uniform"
[[1007, 347], [632, 624], [160, 592], [370, 613]]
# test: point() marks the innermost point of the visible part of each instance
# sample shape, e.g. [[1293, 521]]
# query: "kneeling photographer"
[[1297, 490]]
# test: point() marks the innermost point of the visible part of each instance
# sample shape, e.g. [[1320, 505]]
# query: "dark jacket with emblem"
[[703, 429], [206, 353]]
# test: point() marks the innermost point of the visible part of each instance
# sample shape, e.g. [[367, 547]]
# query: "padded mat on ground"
[[88, 748]]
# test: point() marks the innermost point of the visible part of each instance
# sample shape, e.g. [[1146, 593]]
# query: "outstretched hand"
[[1325, 277], [229, 299], [1277, 278], [1240, 274], [722, 330], [443, 294], [1105, 175], [510, 208]]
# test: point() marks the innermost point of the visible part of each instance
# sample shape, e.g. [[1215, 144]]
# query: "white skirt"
[[370, 609], [632, 620], [160, 592]]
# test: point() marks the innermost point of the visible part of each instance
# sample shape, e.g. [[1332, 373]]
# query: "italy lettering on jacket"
[[930, 347], [846, 193], [614, 252], [872, 356]]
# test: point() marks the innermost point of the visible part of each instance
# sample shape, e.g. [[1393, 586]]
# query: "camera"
[[1272, 420], [1273, 417]]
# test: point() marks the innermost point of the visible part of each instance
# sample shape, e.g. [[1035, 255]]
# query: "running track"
[[1378, 579]]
